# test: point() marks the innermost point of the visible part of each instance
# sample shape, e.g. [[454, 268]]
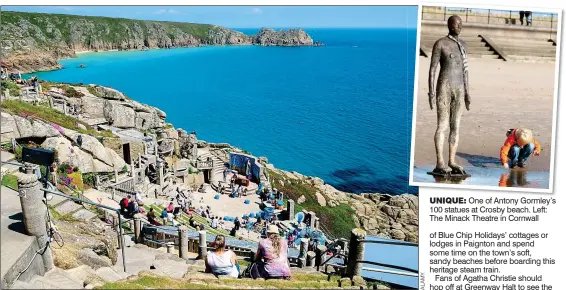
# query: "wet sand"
[[504, 95]]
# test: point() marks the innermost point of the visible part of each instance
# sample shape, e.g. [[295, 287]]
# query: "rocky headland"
[[35, 41]]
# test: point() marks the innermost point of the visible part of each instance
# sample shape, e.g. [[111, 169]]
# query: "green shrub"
[[72, 93], [6, 84], [89, 178], [92, 90], [124, 169], [338, 220], [18, 153]]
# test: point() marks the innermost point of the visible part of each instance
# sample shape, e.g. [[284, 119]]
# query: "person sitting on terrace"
[[214, 223], [170, 208], [139, 198], [221, 261], [124, 206], [151, 217], [164, 215], [132, 208], [272, 251], [177, 212]]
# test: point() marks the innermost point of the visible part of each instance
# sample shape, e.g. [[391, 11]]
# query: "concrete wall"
[[36, 267], [433, 27]]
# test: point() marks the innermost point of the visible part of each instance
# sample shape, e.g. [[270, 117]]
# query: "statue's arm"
[[436, 50], [467, 97]]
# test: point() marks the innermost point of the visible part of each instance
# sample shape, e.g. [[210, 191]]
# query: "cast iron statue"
[[450, 94]]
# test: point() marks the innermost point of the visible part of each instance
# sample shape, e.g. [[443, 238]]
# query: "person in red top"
[[519, 145]]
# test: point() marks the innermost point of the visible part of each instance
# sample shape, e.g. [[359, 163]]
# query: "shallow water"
[[489, 176]]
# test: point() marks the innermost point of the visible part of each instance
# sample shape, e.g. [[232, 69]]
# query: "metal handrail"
[[389, 243], [413, 271], [490, 14], [117, 211]]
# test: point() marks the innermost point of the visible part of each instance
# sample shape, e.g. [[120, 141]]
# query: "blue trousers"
[[520, 155]]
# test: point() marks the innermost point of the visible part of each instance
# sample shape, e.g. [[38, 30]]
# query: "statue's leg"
[[456, 109], [443, 115]]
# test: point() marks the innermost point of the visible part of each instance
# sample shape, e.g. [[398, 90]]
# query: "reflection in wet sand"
[[485, 176], [514, 178]]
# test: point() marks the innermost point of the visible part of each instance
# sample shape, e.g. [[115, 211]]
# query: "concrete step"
[[7, 156], [533, 54], [21, 285], [527, 48], [173, 269], [68, 206], [61, 279], [84, 215], [532, 59], [81, 272], [107, 274]]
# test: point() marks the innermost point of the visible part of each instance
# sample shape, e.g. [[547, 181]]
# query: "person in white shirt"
[[139, 198], [221, 261], [214, 223]]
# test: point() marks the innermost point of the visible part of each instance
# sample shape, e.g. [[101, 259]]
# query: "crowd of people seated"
[[129, 206]]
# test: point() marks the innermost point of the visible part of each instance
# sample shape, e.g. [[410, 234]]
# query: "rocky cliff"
[[34, 41]]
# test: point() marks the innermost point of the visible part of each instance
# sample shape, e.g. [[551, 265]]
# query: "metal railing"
[[491, 16]]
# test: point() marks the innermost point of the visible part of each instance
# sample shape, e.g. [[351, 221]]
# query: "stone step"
[[84, 215], [532, 59], [532, 54], [484, 56], [81, 272], [55, 279], [108, 274], [21, 285], [173, 269], [67, 207]]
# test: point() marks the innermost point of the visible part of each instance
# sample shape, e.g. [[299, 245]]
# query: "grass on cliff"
[[298, 281], [12, 87], [337, 220], [96, 29], [17, 107], [11, 181]]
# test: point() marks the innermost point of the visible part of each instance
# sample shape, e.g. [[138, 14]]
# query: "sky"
[[251, 16]]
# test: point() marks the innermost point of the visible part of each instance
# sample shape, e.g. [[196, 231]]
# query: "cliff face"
[[34, 41]]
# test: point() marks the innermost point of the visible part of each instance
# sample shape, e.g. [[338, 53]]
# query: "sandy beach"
[[504, 95]]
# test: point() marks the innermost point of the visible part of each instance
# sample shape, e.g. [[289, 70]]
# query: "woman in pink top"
[[273, 251]]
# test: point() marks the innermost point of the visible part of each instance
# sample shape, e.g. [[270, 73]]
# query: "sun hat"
[[272, 229], [523, 136]]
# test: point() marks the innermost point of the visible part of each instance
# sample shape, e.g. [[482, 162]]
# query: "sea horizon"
[[292, 114]]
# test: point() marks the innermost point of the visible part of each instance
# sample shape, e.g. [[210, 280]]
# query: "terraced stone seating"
[[309, 279], [184, 219]]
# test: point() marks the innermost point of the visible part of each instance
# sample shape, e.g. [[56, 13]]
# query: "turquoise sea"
[[341, 112]]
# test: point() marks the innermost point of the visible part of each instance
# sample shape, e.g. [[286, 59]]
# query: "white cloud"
[[167, 11], [256, 11]]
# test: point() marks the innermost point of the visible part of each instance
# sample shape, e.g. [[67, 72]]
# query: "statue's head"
[[454, 25]]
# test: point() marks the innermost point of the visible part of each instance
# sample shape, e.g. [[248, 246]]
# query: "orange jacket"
[[512, 140]]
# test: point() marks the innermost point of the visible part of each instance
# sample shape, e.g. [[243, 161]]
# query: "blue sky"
[[251, 16]]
